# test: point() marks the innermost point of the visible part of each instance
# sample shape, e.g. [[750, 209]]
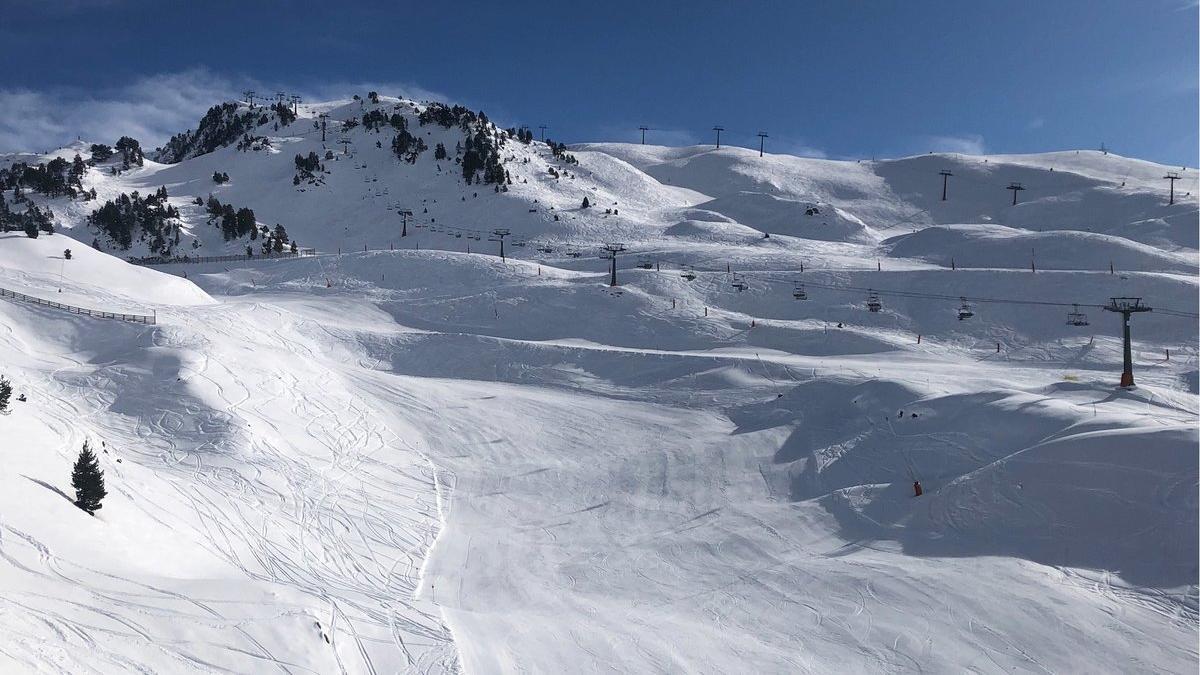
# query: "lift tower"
[[405, 214], [1126, 306], [610, 252], [945, 174], [498, 235], [1172, 176], [1015, 187]]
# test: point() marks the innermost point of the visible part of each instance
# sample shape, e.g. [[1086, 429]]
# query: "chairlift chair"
[[799, 292], [645, 263], [688, 274], [964, 310], [873, 303], [739, 283], [1077, 318]]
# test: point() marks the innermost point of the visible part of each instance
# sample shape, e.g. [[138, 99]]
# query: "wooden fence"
[[119, 316], [182, 259]]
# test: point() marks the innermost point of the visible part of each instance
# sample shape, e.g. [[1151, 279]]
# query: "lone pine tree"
[[88, 481]]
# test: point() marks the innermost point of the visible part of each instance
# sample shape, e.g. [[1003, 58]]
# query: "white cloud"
[[798, 148], [967, 144], [1036, 123], [150, 109]]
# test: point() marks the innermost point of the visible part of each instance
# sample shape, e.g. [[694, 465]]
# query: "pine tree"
[[586, 203], [88, 481], [5, 393]]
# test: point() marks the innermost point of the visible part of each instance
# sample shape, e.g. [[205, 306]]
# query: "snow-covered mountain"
[[405, 454]]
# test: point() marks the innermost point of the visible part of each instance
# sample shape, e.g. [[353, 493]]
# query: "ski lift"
[[574, 253], [645, 263], [545, 248], [688, 274], [965, 311], [1076, 318], [458, 235], [519, 244], [799, 293], [739, 283], [873, 303]]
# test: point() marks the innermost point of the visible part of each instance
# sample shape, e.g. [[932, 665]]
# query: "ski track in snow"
[[430, 462]]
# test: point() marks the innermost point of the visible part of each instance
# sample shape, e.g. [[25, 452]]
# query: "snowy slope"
[[438, 461]]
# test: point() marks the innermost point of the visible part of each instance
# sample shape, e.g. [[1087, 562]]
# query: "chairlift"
[[799, 292], [546, 248], [739, 283], [965, 311], [1076, 318], [644, 262], [574, 253], [873, 303], [519, 244], [688, 274]]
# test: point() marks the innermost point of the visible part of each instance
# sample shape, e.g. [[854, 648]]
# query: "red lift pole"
[[1125, 307]]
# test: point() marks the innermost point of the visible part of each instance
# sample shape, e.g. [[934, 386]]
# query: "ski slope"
[[417, 459]]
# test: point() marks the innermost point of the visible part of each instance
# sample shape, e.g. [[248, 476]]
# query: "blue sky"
[[838, 79]]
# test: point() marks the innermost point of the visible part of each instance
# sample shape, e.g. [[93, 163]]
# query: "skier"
[[917, 491]]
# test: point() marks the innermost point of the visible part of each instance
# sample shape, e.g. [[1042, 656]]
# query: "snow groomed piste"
[[414, 459]]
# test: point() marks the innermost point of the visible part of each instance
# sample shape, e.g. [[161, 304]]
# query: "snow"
[[437, 461]]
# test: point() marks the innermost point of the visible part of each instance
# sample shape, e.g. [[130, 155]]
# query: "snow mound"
[[778, 215], [90, 279], [1086, 191], [1002, 247], [707, 230]]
